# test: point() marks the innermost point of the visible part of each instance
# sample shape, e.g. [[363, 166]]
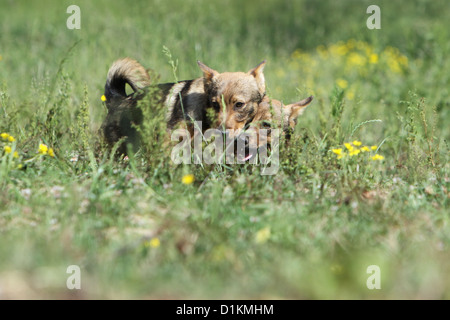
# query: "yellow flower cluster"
[[345, 63], [395, 60], [359, 54], [7, 137], [342, 83], [354, 148], [7, 149], [152, 243], [45, 150], [377, 157], [8, 145]]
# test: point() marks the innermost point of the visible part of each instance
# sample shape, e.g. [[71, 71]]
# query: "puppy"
[[232, 96], [271, 114]]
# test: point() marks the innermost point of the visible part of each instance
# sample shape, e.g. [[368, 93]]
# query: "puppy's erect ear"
[[257, 72], [208, 73], [296, 109]]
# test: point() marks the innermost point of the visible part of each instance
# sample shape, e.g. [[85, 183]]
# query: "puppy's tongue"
[[247, 157]]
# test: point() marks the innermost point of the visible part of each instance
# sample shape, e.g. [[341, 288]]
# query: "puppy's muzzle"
[[245, 150], [241, 146]]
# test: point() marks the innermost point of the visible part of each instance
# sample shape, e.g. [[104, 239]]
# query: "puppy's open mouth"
[[245, 151], [244, 148]]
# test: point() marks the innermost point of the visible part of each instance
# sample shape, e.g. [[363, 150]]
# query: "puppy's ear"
[[208, 73], [257, 72], [296, 109]]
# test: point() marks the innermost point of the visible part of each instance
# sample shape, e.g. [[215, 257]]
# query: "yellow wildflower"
[[348, 146], [16, 154], [337, 151], [7, 149], [103, 98], [354, 152], [355, 59], [51, 153], [342, 83], [188, 179], [338, 49], [341, 156], [153, 243], [11, 139], [342, 49], [4, 136], [373, 147], [43, 149], [357, 143], [350, 95], [262, 235], [365, 149], [377, 157], [394, 66], [373, 58]]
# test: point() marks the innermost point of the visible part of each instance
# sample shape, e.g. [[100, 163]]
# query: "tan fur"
[[274, 114], [132, 70]]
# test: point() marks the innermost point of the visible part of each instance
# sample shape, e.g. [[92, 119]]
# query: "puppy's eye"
[[266, 125], [239, 105]]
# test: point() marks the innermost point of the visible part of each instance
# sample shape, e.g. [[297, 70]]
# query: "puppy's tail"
[[125, 71]]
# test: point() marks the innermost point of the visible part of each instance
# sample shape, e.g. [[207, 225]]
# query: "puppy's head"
[[271, 114], [234, 96]]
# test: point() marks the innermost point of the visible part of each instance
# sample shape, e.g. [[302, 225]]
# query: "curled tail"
[[122, 112], [124, 71]]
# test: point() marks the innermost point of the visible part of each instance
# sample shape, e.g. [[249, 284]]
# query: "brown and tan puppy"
[[270, 114], [274, 114]]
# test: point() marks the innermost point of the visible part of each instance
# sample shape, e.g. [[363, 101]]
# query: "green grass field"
[[308, 232]]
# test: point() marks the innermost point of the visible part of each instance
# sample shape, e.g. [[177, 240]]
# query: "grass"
[[310, 231]]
